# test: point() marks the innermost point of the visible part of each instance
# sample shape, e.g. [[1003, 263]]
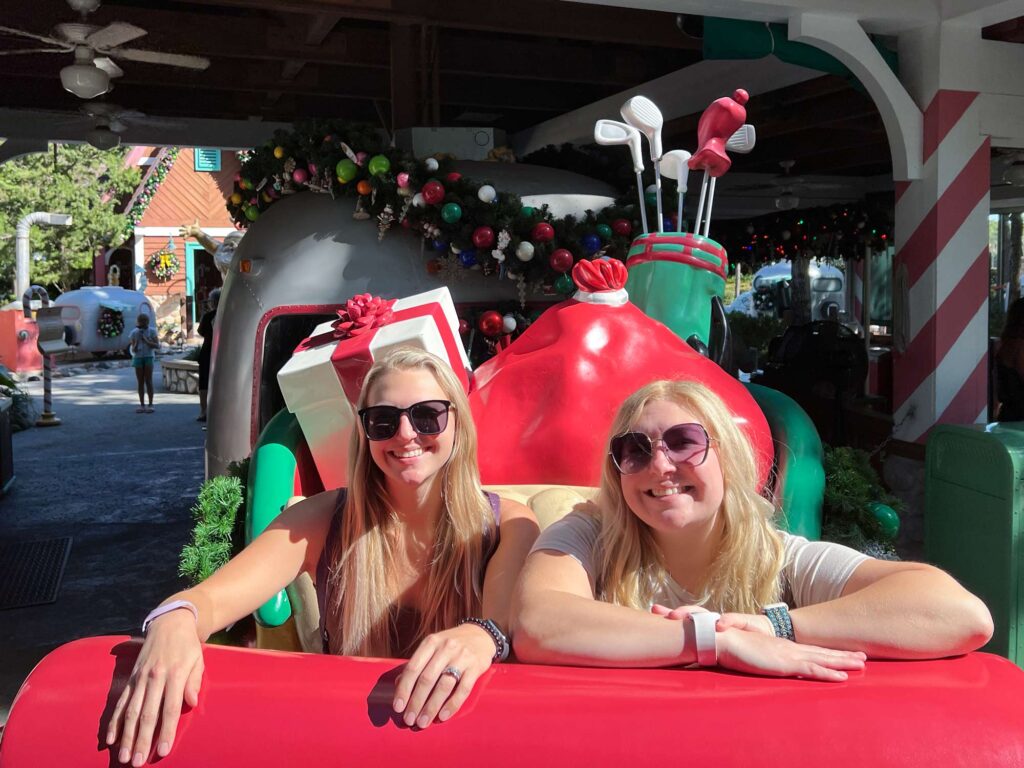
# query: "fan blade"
[[32, 36], [157, 57], [113, 35], [108, 66], [32, 50]]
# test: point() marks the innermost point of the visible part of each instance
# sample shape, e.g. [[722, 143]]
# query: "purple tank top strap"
[[323, 566]]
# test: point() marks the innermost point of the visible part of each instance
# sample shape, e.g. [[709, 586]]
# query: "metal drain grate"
[[31, 571]]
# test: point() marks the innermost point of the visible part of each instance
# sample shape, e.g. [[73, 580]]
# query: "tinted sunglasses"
[[430, 417], [632, 452]]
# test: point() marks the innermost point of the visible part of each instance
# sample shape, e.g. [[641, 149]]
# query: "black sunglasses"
[[430, 417], [632, 452]]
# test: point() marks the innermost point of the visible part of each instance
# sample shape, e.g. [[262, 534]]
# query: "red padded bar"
[[264, 708]]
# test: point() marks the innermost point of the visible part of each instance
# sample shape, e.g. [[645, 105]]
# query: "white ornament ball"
[[418, 200], [524, 251], [786, 234], [487, 193], [651, 189], [431, 164], [508, 323]]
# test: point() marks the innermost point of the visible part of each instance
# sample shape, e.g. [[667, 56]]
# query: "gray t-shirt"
[[142, 349], [814, 571]]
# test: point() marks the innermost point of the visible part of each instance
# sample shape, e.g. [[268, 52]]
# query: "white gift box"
[[321, 381]]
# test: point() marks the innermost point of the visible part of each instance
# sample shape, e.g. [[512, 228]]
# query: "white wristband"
[[705, 637], [171, 606]]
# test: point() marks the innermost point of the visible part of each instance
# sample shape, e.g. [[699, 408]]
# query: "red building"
[[178, 187]]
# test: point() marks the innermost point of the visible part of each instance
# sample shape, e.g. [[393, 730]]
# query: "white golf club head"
[[674, 165], [743, 140], [642, 113], [611, 132]]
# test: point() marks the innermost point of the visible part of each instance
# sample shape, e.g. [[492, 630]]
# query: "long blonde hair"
[[360, 599], [744, 574]]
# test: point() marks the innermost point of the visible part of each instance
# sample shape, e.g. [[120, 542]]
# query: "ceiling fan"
[[101, 123], [94, 48], [1013, 172]]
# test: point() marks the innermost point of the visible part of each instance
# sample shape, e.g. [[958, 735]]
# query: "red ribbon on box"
[[352, 357]]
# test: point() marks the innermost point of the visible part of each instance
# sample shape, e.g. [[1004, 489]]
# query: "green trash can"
[[973, 499]]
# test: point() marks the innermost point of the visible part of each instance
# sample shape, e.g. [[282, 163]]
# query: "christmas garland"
[[111, 323], [466, 224], [164, 264], [144, 196]]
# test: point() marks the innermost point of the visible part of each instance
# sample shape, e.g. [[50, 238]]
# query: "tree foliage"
[[87, 183]]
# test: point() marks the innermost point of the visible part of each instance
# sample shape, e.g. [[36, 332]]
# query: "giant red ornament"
[[561, 260], [491, 323], [453, 177], [483, 237], [433, 192], [622, 227], [542, 232]]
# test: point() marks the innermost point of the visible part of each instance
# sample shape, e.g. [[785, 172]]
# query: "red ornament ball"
[[491, 323], [433, 266], [542, 232], [433, 192], [452, 177], [561, 260], [463, 326], [622, 227], [364, 187], [483, 237]]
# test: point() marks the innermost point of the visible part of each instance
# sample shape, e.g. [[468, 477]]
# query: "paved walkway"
[[121, 484]]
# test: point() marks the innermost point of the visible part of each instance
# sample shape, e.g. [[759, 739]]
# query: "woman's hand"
[[424, 691], [169, 669], [753, 653]]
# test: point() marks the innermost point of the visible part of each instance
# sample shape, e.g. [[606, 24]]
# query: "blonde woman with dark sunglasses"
[[414, 560], [679, 562]]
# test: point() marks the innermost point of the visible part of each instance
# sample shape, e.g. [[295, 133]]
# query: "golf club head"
[[743, 140], [643, 114], [611, 132], [674, 165]]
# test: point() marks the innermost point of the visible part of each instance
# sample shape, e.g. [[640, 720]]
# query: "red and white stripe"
[[942, 232], [855, 280]]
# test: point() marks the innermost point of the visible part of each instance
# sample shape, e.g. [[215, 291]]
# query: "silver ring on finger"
[[454, 672]]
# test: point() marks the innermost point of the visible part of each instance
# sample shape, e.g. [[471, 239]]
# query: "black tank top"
[[406, 618]]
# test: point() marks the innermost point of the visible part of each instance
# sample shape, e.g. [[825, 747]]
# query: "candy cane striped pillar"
[[940, 281], [855, 283]]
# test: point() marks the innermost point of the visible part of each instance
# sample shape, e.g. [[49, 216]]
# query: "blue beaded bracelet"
[[782, 624]]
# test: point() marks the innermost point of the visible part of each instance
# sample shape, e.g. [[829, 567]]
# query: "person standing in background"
[[206, 331], [143, 343]]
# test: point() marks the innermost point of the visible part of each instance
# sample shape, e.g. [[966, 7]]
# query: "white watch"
[[705, 637], [174, 605]]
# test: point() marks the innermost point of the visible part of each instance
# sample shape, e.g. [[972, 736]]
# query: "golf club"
[[644, 115], [741, 142], [610, 132], [674, 165]]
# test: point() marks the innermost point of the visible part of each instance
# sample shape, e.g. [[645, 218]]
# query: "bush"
[[23, 410], [217, 534], [852, 492], [756, 332]]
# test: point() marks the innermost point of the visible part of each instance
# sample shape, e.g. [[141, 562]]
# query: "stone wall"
[[181, 376]]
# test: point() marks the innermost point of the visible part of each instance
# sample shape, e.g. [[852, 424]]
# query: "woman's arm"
[[169, 667], [899, 611], [423, 691], [557, 621]]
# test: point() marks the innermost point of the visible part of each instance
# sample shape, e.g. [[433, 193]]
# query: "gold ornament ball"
[[278, 152], [236, 199]]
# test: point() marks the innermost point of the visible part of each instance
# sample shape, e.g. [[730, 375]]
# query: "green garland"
[[110, 324], [311, 157], [152, 182]]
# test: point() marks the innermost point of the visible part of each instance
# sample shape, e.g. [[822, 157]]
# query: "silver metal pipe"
[[21, 250]]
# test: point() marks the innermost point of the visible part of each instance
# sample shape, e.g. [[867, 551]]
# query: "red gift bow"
[[362, 313], [599, 275]]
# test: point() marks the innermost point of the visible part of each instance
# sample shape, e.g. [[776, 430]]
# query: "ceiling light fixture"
[[1014, 174], [83, 78]]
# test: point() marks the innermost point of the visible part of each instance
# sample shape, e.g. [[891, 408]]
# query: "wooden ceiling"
[[396, 63]]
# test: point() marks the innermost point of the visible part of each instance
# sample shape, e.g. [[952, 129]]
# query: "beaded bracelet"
[[782, 623]]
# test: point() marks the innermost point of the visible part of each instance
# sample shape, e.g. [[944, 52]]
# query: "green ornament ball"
[[528, 211], [564, 285], [252, 212], [346, 170], [604, 231], [887, 518], [378, 165], [651, 198], [451, 212]]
